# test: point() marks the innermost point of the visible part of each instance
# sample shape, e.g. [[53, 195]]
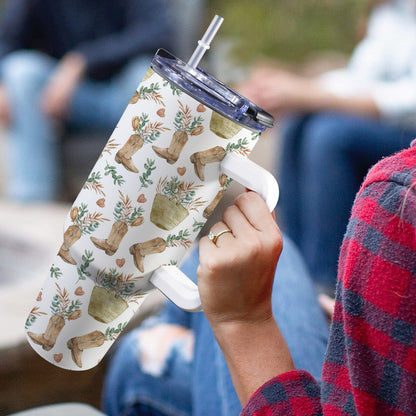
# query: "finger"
[[253, 207], [238, 222], [206, 248], [209, 252], [221, 238], [327, 304]]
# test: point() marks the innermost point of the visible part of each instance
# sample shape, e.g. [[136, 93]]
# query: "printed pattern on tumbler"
[[146, 199]]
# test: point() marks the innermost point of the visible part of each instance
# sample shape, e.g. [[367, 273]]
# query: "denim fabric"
[[203, 385], [324, 158], [32, 148]]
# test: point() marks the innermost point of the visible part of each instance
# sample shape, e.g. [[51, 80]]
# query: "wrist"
[[239, 328], [255, 352]]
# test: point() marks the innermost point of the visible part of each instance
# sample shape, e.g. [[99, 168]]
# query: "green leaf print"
[[82, 270], [151, 93], [179, 240], [175, 90], [55, 272], [112, 333], [93, 183], [197, 226], [111, 170], [144, 178]]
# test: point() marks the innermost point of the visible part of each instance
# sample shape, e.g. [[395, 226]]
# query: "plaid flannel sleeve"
[[370, 365], [292, 393]]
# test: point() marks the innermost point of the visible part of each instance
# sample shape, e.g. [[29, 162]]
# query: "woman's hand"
[[235, 275], [235, 280]]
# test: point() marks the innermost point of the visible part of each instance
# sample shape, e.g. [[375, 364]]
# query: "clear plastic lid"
[[211, 92]]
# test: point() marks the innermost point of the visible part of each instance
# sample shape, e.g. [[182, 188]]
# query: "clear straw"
[[206, 40]]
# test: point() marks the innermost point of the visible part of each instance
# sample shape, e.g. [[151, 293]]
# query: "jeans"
[[32, 148], [325, 157], [183, 383]]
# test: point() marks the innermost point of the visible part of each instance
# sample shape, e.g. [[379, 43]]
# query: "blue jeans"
[[186, 385], [32, 149], [325, 157]]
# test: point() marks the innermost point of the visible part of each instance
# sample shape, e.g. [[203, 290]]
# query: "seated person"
[[335, 127], [72, 63]]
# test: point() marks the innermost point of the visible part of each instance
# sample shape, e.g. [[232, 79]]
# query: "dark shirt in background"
[[108, 33]]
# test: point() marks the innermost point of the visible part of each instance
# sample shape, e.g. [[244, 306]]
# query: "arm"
[[376, 302], [278, 91], [235, 279], [255, 353]]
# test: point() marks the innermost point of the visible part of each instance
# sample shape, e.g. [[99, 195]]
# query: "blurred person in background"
[[336, 126], [66, 63]]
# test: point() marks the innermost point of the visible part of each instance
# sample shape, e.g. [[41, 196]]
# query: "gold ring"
[[214, 237]]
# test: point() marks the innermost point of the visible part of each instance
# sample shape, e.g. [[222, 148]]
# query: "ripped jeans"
[[172, 365]]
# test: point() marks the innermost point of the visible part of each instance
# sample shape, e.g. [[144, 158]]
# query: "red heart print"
[[120, 262], [58, 357], [181, 171], [79, 291], [141, 199]]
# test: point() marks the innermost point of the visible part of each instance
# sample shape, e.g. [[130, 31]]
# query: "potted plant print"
[[223, 127], [173, 201], [111, 294]]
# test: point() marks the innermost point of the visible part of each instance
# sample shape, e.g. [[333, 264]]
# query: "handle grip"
[[171, 281], [252, 176], [177, 287]]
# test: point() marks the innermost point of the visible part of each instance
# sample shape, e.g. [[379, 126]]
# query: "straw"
[[206, 40]]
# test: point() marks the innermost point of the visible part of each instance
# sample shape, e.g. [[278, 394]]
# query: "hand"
[[58, 91], [235, 275], [277, 90], [235, 279], [327, 304], [5, 116]]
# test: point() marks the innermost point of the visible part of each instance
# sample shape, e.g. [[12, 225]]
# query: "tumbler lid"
[[211, 92]]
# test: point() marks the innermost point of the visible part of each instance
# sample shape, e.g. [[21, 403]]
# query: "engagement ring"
[[214, 237]]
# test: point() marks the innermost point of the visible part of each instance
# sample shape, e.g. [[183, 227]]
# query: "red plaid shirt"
[[370, 364]]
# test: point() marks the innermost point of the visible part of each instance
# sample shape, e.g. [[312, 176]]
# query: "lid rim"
[[213, 93]]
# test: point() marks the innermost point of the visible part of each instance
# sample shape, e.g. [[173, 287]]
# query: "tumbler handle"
[[252, 176]]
